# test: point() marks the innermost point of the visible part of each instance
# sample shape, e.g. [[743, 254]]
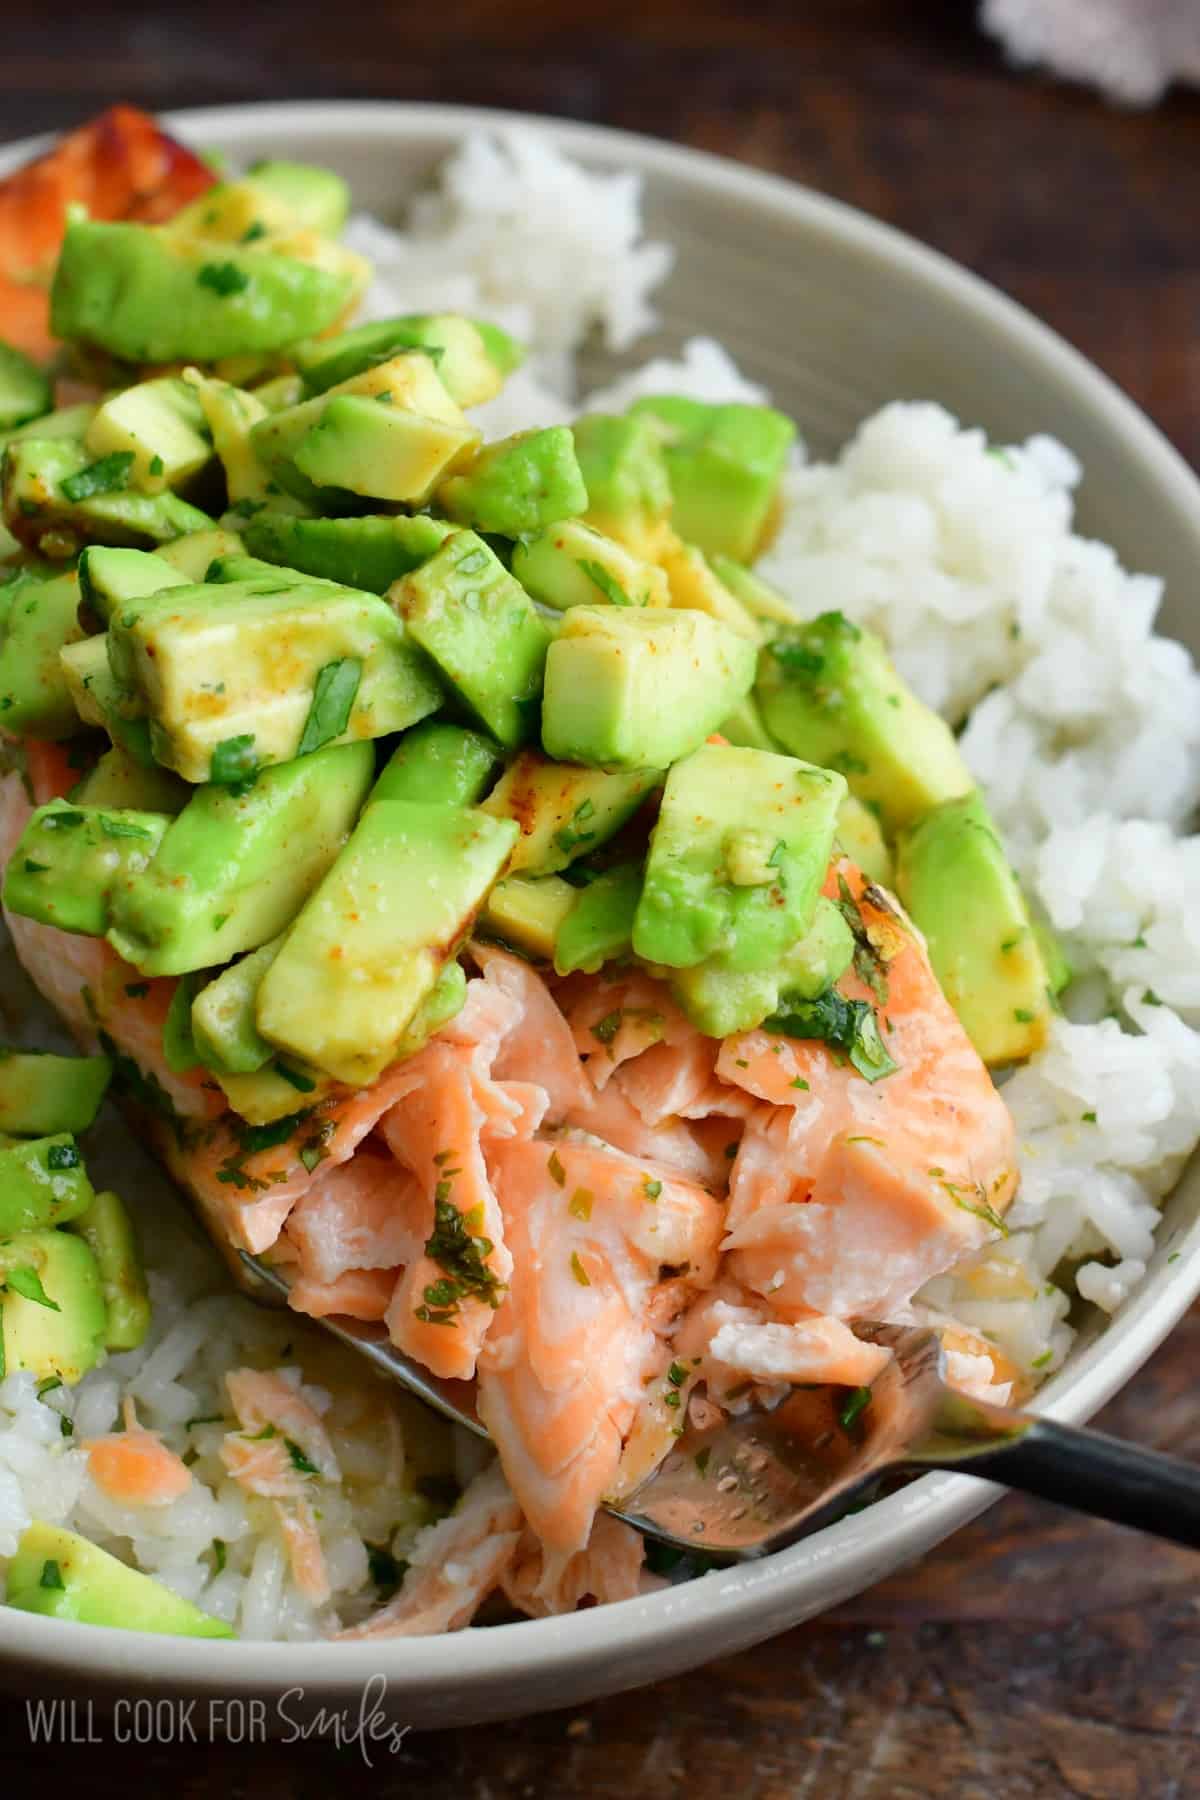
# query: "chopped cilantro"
[[122, 828], [157, 465], [1039, 1362], [66, 1426], [571, 836], [580, 1204], [303, 1465], [26, 1281], [223, 278], [63, 1156], [107, 475], [848, 1026], [854, 1408], [1150, 998], [612, 590], [385, 1571], [48, 1386], [799, 1083], [463, 1255], [234, 763], [333, 699], [1088, 1118], [303, 1084], [51, 1576], [555, 1169], [578, 1270], [651, 1189], [702, 1459], [606, 1029], [1022, 1015], [220, 1554], [35, 868], [137, 990]]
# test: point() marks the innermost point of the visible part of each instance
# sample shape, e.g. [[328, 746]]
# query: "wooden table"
[[1034, 1655]]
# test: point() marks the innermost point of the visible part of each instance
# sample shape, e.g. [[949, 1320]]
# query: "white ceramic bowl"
[[837, 314]]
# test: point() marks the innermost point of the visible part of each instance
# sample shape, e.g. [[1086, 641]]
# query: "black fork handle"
[[1091, 1472]]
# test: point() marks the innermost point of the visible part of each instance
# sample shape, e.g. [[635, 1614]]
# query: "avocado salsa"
[[344, 688]]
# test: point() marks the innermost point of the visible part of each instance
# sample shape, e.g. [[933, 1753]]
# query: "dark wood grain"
[[1035, 1654]]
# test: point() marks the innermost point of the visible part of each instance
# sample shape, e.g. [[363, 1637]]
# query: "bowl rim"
[[895, 1530]]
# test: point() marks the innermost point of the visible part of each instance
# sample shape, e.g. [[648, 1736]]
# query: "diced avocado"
[[574, 565], [720, 1001], [756, 595], [235, 867], [472, 359], [628, 488], [161, 424], [149, 297], [745, 726], [178, 1045], [639, 687], [725, 464], [599, 927], [109, 577], [355, 966], [370, 552], [273, 1092], [60, 1332], [482, 631], [230, 413], [24, 389], [44, 1183], [955, 880], [66, 421], [829, 693], [528, 912], [235, 678], [107, 1230], [313, 198], [57, 496], [693, 584], [564, 810], [192, 554], [283, 392], [437, 764], [413, 455], [41, 1094], [69, 858], [98, 700], [40, 617], [382, 452], [737, 858], [518, 485], [861, 837], [119, 781], [223, 1026], [63, 1576]]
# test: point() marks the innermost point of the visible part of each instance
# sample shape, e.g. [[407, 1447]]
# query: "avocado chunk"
[[230, 415], [148, 296], [828, 692], [724, 464], [625, 474], [527, 913], [120, 783], [437, 764], [757, 596], [599, 927], [574, 565], [720, 1001], [956, 882], [63, 1576], [53, 1318], [639, 687], [274, 1092], [382, 452], [861, 837], [37, 618], [110, 577], [57, 496], [745, 726], [24, 389], [355, 966], [737, 859], [107, 1230], [161, 424], [235, 867], [223, 1025], [693, 584], [97, 700], [482, 631], [44, 1183], [192, 554], [312, 198], [517, 486], [564, 810], [366, 450], [235, 678], [69, 859], [473, 360], [41, 1094], [369, 552]]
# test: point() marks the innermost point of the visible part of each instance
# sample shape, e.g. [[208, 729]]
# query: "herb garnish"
[[63, 1156], [854, 1408], [303, 1465], [223, 278], [463, 1255], [26, 1281], [869, 965], [107, 475], [570, 836], [51, 1576], [845, 1025], [600, 577], [333, 699], [606, 1029], [234, 764]]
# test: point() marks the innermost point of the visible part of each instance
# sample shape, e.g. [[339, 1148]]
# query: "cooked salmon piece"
[[611, 1566], [592, 1233], [362, 1294], [119, 166], [538, 1048], [134, 1467], [847, 1195], [362, 1215], [810, 1350], [281, 1448], [453, 1565]]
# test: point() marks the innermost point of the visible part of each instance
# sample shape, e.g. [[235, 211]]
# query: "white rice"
[[1081, 724]]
